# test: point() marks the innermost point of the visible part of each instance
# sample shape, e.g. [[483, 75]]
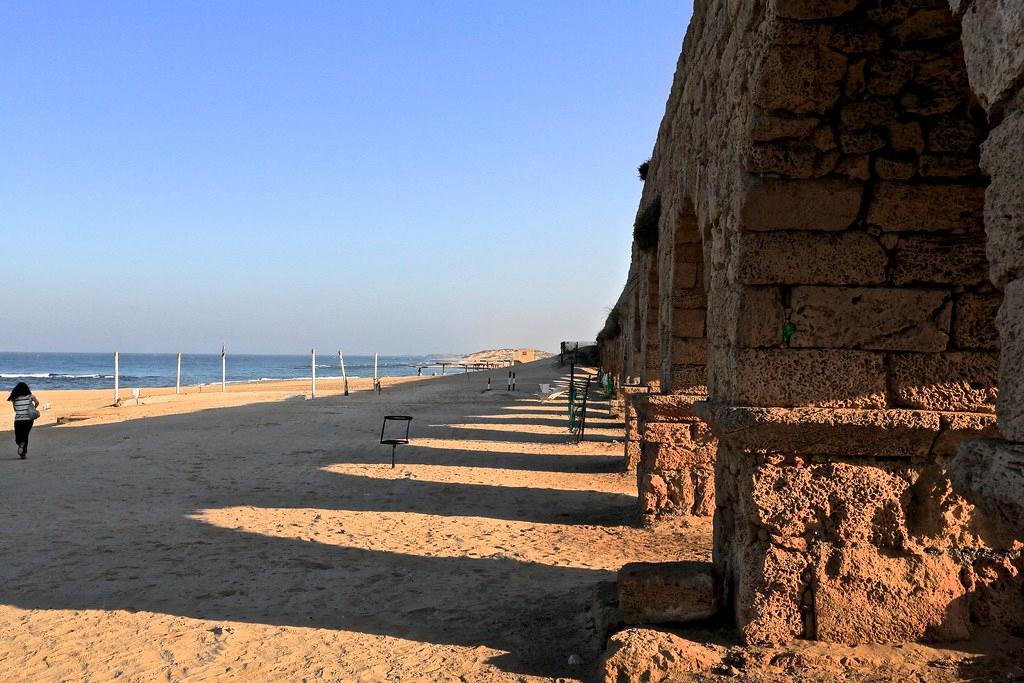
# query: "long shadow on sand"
[[128, 538]]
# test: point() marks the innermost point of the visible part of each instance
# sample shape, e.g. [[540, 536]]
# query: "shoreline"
[[69, 407]]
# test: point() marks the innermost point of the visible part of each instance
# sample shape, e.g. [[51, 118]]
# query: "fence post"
[[117, 378], [177, 382], [313, 391], [223, 368], [344, 377]]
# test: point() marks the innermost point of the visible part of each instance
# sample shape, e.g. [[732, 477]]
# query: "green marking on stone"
[[787, 332]]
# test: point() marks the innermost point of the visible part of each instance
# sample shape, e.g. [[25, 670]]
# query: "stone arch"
[[650, 340], [683, 306], [854, 343]]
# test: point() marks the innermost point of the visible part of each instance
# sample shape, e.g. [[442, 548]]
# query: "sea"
[[96, 370]]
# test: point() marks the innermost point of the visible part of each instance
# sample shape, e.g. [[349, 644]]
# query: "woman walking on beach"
[[25, 413]]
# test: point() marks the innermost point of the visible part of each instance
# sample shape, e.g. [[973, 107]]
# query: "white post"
[[223, 369], [177, 383], [344, 377], [117, 380], [314, 373], [375, 370]]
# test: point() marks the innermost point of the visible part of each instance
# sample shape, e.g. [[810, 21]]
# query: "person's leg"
[[28, 428], [20, 435]]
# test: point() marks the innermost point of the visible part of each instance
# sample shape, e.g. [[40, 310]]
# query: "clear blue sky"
[[403, 176]]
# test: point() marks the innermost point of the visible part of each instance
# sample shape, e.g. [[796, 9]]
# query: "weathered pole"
[[223, 368], [344, 377], [117, 378], [177, 382], [313, 392], [375, 384]]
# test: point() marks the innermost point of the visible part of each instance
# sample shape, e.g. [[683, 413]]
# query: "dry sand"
[[214, 540]]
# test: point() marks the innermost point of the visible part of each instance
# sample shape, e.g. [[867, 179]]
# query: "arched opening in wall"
[[683, 306], [650, 312], [859, 289]]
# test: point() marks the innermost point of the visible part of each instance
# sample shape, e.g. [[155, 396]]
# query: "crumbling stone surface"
[[990, 474], [642, 655], [843, 216], [667, 592]]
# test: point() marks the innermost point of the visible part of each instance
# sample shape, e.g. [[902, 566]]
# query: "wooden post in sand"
[[117, 378], [313, 392], [375, 371], [344, 377], [177, 383], [223, 369]]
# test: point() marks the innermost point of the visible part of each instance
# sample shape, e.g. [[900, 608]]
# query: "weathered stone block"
[[759, 320], [1010, 405], [893, 168], [804, 377], [767, 126], [887, 76], [948, 166], [867, 113], [638, 655], [688, 379], [835, 432], [1004, 200], [689, 351], [906, 207], [990, 474], [799, 79], [863, 595], [768, 591], [906, 136], [958, 427], [940, 259], [812, 9], [953, 381], [669, 592], [862, 141], [688, 322], [993, 37], [847, 258], [974, 321], [953, 134], [822, 204], [871, 318]]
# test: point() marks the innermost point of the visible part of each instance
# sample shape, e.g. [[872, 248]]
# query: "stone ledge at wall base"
[[675, 473], [842, 525], [667, 592]]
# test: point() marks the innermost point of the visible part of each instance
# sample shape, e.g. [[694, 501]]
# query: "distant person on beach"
[[25, 414]]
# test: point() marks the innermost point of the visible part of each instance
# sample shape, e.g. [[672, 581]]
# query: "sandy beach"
[[272, 541], [247, 536]]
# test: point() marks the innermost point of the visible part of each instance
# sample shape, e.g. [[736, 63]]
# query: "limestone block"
[[893, 168], [939, 259], [993, 37], [948, 166], [788, 158], [688, 298], [689, 351], [677, 451], [688, 322], [759, 320], [815, 431], [766, 126], [974, 321], [958, 427], [1004, 200], [640, 655], [836, 501], [812, 9], [799, 79], [996, 587], [822, 204], [862, 141], [688, 379], [1010, 405], [953, 134], [990, 474], [855, 37], [887, 76], [688, 491], [805, 377], [768, 590], [858, 167], [962, 381], [867, 113], [863, 595], [669, 592], [926, 24], [905, 207], [846, 258], [906, 136], [871, 318]]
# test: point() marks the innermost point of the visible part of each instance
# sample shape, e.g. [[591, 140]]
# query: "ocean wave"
[[53, 375]]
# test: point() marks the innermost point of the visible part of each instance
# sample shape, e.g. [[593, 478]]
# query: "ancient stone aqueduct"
[[821, 339]]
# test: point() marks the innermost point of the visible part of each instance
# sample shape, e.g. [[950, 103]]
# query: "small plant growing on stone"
[[612, 327], [642, 169], [645, 229]]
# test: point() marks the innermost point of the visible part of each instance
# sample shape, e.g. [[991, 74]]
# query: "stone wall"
[[824, 272]]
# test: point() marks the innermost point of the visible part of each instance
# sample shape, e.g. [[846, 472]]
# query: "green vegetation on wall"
[[645, 229]]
